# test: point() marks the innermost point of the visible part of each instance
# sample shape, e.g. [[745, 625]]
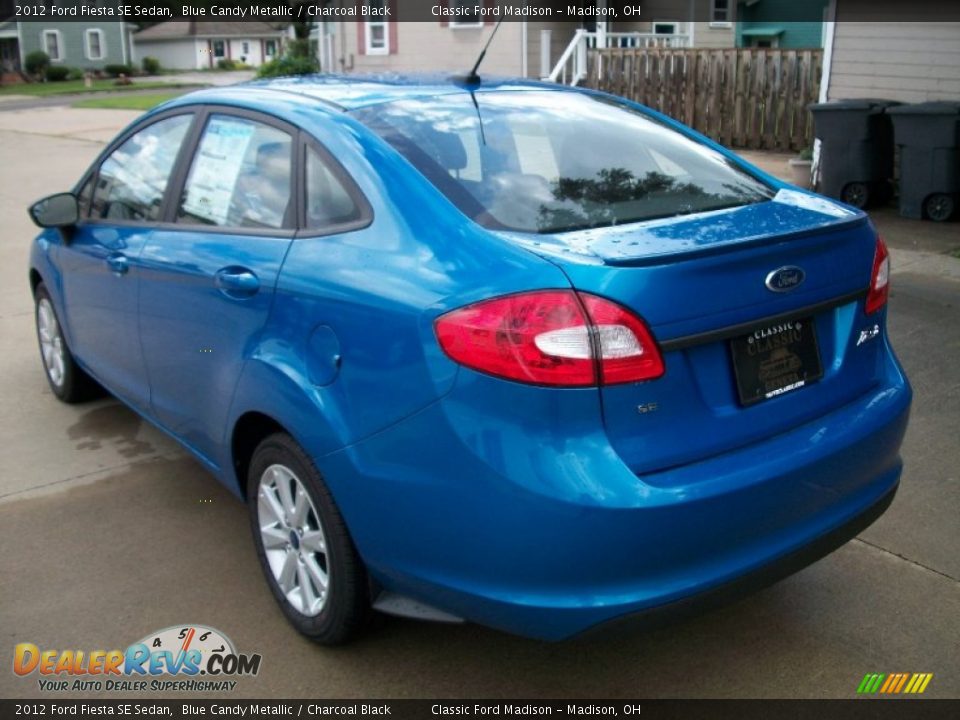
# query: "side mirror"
[[60, 210]]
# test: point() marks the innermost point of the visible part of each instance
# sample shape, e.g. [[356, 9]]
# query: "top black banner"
[[467, 12]]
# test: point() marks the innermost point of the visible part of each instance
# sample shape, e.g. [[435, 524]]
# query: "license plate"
[[775, 360]]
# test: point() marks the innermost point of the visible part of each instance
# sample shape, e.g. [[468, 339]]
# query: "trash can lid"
[[938, 107], [859, 104]]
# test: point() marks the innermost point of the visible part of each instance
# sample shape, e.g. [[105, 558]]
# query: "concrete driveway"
[[110, 531]]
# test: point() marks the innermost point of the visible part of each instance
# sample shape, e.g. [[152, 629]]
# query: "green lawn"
[[67, 87], [126, 102]]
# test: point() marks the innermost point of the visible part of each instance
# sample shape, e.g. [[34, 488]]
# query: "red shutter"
[[489, 5], [393, 27], [361, 38]]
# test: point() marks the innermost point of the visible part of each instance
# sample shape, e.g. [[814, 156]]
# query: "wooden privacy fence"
[[753, 98]]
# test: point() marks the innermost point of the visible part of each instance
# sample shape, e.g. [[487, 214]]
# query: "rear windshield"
[[545, 162]]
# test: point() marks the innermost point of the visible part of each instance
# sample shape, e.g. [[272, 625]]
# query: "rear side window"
[[328, 202], [240, 176], [132, 180], [557, 161]]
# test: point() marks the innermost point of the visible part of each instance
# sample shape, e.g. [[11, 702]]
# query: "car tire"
[[304, 547], [67, 380]]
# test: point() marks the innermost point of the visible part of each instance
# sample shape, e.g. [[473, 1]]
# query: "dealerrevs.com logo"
[[185, 658]]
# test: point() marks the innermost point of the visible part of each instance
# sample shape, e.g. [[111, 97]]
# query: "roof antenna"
[[471, 78]]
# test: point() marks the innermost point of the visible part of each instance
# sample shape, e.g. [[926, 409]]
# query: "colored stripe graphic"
[[894, 683]]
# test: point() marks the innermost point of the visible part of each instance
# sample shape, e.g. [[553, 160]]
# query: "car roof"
[[351, 92]]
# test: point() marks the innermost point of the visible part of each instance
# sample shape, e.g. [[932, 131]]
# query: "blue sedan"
[[529, 356]]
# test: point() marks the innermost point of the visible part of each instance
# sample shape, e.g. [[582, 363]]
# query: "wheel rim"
[[293, 540], [855, 194], [939, 207], [51, 342]]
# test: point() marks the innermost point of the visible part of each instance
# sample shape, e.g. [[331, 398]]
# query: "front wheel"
[[303, 544], [67, 380]]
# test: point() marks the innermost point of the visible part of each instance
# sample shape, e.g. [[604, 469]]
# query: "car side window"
[[240, 176], [132, 180], [85, 196], [328, 201]]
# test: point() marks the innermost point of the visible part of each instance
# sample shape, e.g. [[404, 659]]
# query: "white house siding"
[[253, 56], [909, 62], [172, 54], [706, 36], [428, 46]]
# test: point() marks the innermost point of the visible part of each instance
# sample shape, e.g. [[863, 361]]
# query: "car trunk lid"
[[700, 283]]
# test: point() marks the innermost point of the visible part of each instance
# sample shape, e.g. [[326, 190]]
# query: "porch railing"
[[571, 67]]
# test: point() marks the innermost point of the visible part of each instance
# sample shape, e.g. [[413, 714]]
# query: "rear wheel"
[[67, 380], [306, 553], [939, 207]]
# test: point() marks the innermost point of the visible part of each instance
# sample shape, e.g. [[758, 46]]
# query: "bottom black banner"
[[666, 709]]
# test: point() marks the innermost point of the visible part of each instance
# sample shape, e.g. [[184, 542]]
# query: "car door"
[[122, 200], [208, 274]]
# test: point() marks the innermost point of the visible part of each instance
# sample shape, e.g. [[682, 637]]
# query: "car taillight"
[[551, 337], [879, 278]]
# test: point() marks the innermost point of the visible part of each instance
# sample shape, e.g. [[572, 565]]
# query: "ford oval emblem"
[[785, 279]]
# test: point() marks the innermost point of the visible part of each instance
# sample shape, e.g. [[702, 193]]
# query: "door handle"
[[237, 282], [118, 263]]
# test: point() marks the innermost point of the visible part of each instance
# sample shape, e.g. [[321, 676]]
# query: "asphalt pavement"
[[110, 531]]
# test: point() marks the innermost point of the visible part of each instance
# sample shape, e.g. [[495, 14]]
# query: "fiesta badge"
[[785, 278]]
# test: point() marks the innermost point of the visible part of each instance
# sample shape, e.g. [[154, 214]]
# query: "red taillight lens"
[[879, 278], [628, 352], [551, 337]]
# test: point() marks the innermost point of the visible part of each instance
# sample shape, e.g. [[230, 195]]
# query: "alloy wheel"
[[293, 540], [51, 342]]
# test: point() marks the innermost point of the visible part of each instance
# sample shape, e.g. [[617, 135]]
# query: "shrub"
[[36, 62], [151, 66], [56, 73], [289, 65], [226, 64], [75, 73], [299, 48], [118, 70]]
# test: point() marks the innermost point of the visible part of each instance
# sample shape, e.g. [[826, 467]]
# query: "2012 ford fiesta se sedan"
[[529, 356]]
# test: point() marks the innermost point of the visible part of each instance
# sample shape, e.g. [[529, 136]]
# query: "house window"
[[94, 44], [665, 28], [465, 14], [246, 48], [270, 48], [377, 37], [720, 13], [219, 50], [53, 44]]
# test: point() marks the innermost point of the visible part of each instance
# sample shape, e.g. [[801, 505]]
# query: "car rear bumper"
[[547, 533], [753, 581]]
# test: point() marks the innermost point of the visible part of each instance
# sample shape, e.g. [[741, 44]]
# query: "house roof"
[[179, 29]]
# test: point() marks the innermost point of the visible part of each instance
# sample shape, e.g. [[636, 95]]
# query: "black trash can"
[[856, 150], [928, 135]]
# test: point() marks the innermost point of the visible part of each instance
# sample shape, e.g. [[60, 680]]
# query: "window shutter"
[[361, 37], [393, 27], [489, 5]]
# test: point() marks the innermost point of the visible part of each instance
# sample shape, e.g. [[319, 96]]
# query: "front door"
[[208, 281], [101, 276]]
